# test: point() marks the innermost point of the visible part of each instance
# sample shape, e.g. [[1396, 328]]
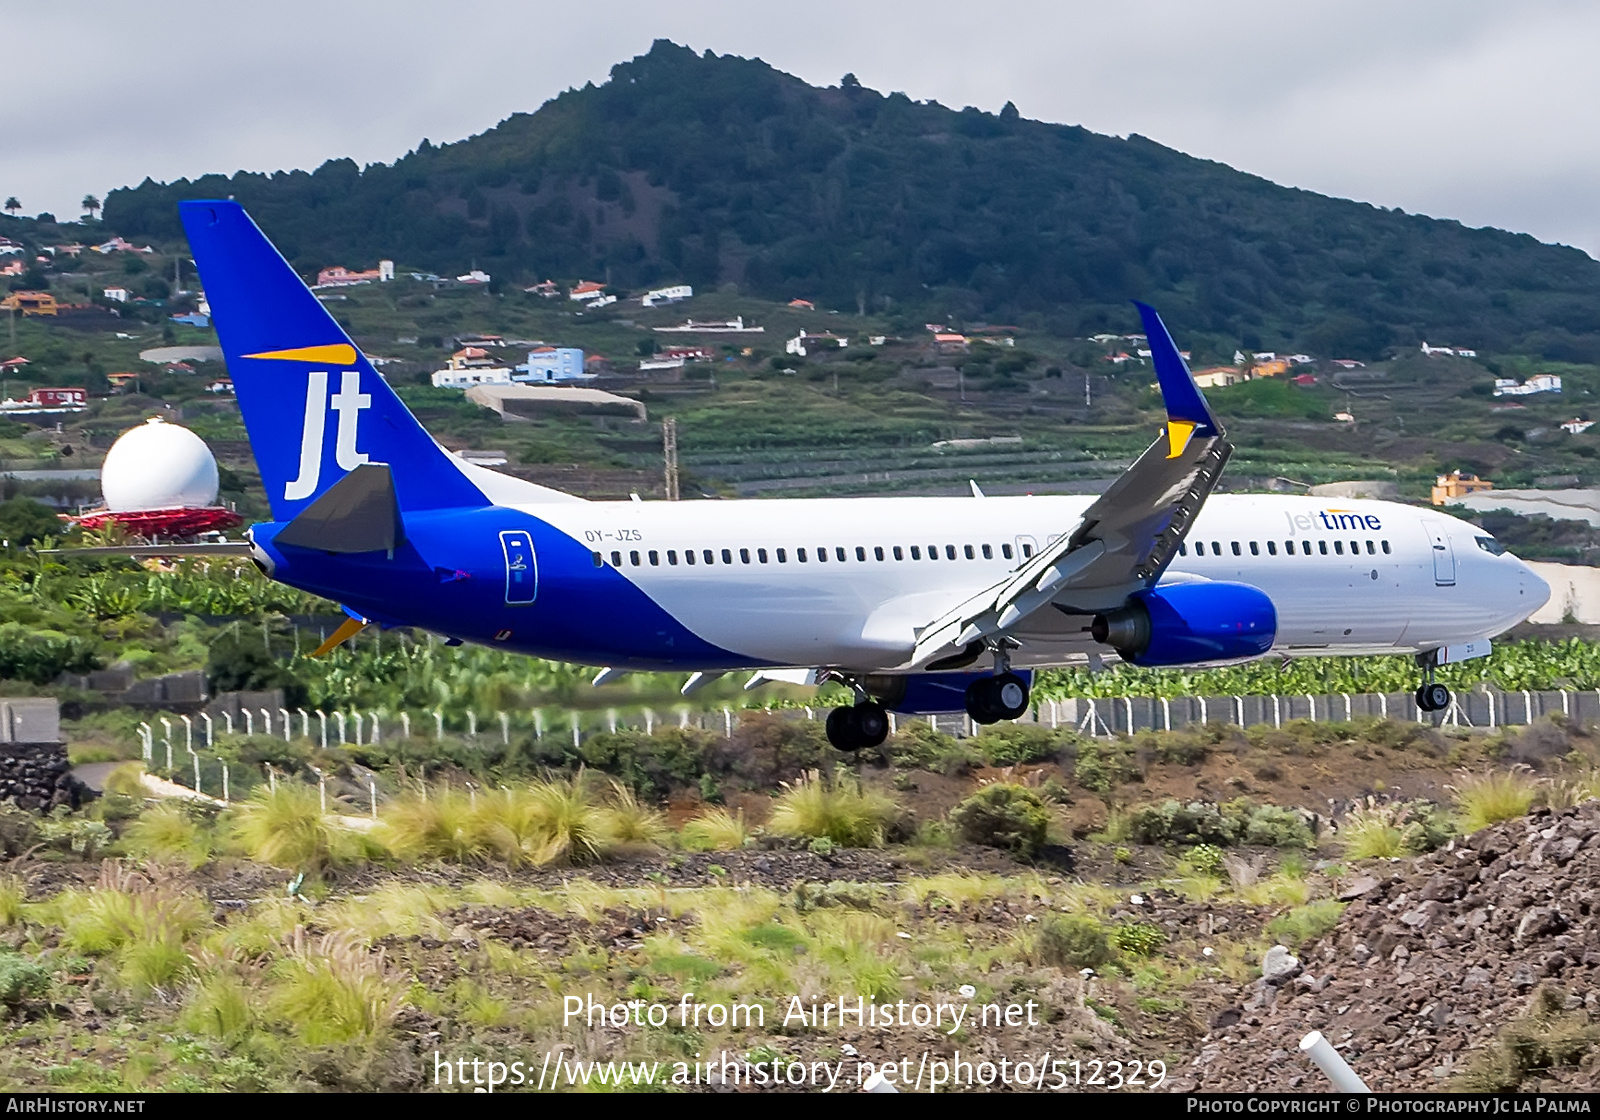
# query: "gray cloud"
[[1457, 108]]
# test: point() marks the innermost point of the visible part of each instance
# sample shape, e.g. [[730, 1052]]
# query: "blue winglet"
[[1178, 391]]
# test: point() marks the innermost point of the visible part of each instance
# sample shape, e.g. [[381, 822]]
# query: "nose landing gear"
[[1431, 696]]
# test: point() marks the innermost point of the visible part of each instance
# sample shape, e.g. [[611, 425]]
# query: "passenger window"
[[727, 556], [800, 555], [1216, 548], [822, 556], [655, 558], [1255, 549], [916, 552], [744, 556], [1386, 548], [971, 555], [633, 558], [1338, 546], [710, 557], [1183, 549], [1370, 550], [1355, 548], [839, 552], [688, 557], [1005, 550], [933, 552], [616, 559], [783, 557], [761, 555], [1236, 551], [898, 554], [1322, 547], [672, 557], [878, 552], [1272, 548], [949, 552], [1305, 548], [861, 553], [988, 552], [1027, 550]]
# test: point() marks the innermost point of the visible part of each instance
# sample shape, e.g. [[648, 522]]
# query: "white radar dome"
[[158, 466]]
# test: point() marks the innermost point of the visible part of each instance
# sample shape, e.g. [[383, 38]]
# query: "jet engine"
[[1190, 623]]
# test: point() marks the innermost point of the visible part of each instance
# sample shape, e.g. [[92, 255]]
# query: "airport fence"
[[183, 747]]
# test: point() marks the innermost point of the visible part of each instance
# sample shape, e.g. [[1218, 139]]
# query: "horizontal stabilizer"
[[175, 551], [359, 513]]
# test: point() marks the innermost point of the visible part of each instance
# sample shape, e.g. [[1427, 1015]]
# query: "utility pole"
[[669, 455]]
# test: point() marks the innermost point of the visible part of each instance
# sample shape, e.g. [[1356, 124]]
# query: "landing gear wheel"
[[1433, 697], [992, 699], [854, 729]]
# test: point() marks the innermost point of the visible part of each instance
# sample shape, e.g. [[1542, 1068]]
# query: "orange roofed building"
[[1456, 485]]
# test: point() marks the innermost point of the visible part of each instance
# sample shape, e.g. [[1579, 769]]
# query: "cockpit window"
[[1491, 546]]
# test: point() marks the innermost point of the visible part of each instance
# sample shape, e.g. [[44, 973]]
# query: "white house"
[[586, 290], [466, 378], [661, 296], [1538, 383], [116, 295], [803, 343]]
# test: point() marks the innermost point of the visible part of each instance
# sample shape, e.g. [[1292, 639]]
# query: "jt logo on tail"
[[348, 402]]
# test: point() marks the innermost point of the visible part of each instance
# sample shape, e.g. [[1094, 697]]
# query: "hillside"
[[722, 170]]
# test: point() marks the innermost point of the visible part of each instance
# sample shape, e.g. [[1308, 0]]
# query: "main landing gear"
[[1431, 696], [1000, 697], [866, 724]]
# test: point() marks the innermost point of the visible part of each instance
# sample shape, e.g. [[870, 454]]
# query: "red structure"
[[166, 523]]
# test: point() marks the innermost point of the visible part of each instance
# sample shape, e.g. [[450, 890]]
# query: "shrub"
[[1206, 859], [21, 980], [125, 780], [716, 830], [1389, 831], [1171, 822], [1546, 1037], [673, 758], [1008, 744], [838, 809], [917, 746], [1100, 766], [1137, 939], [1493, 796], [631, 822], [1004, 816], [1073, 941], [1272, 826]]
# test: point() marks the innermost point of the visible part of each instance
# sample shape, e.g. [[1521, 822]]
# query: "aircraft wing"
[[1124, 541]]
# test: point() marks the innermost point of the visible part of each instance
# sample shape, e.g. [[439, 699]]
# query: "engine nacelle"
[[1190, 623]]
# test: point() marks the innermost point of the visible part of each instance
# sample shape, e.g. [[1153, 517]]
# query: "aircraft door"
[[522, 567], [1444, 557]]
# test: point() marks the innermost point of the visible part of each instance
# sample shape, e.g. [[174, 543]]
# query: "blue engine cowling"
[[922, 693], [1190, 623]]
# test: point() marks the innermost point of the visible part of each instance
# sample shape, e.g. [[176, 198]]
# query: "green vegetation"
[[1491, 797], [1006, 816], [836, 809], [1207, 825], [1545, 1037], [862, 199]]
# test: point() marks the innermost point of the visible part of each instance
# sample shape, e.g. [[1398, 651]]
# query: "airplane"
[[918, 604]]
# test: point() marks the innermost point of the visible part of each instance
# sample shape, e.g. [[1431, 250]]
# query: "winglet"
[[1188, 414]]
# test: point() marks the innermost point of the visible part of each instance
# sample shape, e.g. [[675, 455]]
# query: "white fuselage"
[[1378, 578]]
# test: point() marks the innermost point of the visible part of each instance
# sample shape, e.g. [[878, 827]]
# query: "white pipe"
[[1329, 1061]]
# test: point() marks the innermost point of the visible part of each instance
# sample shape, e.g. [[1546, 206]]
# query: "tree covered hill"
[[718, 170]]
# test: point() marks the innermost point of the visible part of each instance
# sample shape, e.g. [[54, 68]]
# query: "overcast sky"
[[1483, 112]]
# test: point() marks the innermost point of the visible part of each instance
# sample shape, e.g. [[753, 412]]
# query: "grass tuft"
[[287, 828], [715, 830], [837, 809], [168, 831], [1493, 796], [332, 989]]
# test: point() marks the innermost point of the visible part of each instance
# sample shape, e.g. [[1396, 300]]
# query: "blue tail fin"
[[312, 403]]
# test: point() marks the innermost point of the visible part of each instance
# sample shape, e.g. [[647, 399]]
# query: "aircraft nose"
[[1535, 592]]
